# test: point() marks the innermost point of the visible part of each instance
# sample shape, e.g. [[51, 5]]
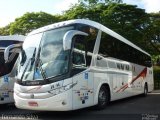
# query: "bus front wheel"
[[103, 97]]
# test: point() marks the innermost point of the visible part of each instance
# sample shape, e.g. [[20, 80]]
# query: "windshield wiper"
[[32, 59], [39, 65], [24, 57]]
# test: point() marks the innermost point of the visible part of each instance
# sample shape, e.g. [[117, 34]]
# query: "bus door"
[[83, 91]]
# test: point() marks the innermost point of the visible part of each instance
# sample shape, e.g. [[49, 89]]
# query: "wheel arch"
[[97, 91]]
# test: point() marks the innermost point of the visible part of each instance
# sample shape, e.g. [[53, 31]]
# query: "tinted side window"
[[89, 40], [122, 51], [5, 68], [107, 46], [112, 47]]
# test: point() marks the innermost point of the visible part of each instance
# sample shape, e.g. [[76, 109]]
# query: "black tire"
[[145, 90], [103, 98]]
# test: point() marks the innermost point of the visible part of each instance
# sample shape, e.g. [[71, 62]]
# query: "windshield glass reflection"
[[48, 59]]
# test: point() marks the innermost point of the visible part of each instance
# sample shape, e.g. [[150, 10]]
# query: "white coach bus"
[[79, 63], [8, 70]]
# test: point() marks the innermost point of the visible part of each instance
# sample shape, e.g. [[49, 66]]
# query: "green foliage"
[[156, 72], [100, 1], [75, 12], [31, 21], [152, 33], [127, 20], [155, 58], [4, 30], [81, 11]]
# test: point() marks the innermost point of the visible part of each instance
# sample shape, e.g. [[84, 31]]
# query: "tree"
[[5, 30], [75, 12], [152, 33], [82, 11], [127, 20], [100, 1], [31, 21]]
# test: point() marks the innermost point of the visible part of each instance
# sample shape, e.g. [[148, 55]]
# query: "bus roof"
[[91, 23], [13, 37]]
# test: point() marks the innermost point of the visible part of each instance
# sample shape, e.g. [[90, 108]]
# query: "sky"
[[11, 9]]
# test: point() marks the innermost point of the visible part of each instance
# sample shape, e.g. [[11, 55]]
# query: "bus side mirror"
[[14, 47], [67, 39]]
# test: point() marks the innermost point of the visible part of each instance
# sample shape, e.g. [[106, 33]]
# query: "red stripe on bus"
[[142, 74]]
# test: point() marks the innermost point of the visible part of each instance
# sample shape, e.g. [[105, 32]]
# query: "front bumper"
[[60, 102]]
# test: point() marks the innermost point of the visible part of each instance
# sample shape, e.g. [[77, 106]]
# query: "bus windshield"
[[48, 59]]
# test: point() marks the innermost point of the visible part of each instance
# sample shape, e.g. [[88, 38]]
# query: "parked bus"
[[79, 63], [8, 70]]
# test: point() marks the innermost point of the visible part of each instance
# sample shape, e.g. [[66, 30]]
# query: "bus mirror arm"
[[16, 47], [67, 39]]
